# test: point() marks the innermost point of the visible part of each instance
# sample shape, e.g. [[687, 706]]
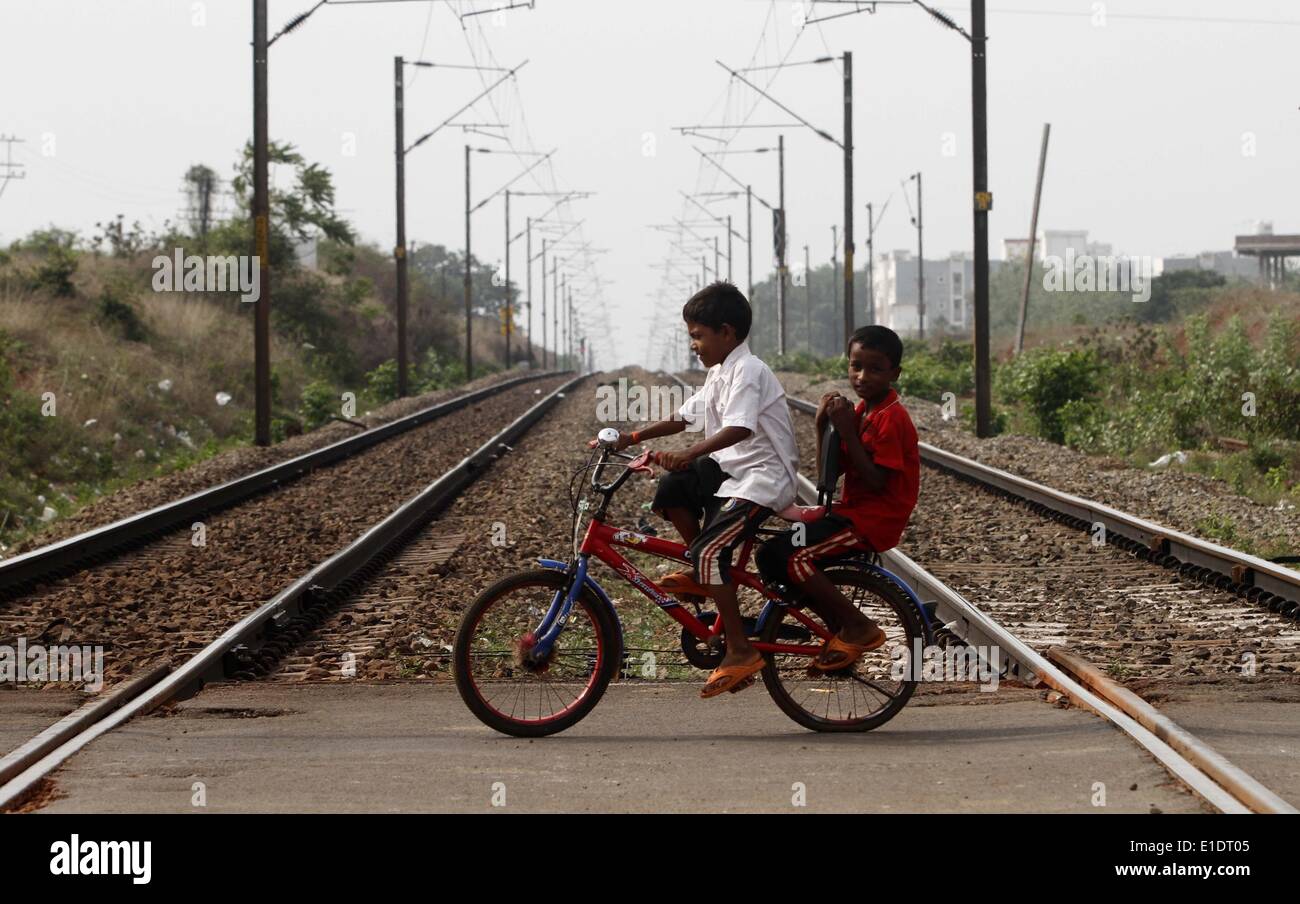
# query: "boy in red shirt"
[[882, 477]]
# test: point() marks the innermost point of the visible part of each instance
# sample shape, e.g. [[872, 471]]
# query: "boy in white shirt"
[[739, 474]]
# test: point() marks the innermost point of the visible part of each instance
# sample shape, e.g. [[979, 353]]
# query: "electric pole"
[[399, 250], [983, 203], [920, 262], [807, 297], [780, 248], [835, 278], [528, 258], [469, 324], [509, 319], [848, 196], [749, 240], [728, 247], [544, 244], [555, 310], [261, 234], [871, 266], [8, 169]]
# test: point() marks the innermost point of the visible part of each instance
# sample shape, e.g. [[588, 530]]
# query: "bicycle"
[[553, 632]]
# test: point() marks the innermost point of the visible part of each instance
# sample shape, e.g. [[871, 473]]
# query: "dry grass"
[[202, 346]]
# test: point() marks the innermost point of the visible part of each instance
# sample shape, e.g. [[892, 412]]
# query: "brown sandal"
[[840, 654], [732, 678]]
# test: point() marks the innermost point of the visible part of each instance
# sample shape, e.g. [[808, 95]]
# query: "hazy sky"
[[1175, 126]]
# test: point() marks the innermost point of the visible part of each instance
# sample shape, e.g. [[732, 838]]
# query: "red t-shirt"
[[889, 437]]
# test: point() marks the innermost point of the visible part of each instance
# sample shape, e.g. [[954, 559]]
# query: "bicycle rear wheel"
[[860, 698], [514, 695]]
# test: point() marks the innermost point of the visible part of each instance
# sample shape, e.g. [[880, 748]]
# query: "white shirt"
[[743, 392]]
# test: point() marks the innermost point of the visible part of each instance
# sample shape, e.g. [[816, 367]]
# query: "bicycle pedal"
[[793, 632]]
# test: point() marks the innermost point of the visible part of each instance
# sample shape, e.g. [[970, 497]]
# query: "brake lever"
[[642, 463]]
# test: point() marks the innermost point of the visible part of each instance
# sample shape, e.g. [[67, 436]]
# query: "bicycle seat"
[[796, 512]]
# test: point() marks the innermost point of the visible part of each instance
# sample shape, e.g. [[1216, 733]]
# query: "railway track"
[[254, 643], [1031, 644], [22, 573], [1063, 570], [346, 627], [173, 597]]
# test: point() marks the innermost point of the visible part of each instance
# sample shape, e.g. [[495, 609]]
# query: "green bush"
[[382, 382], [1046, 380], [928, 374], [54, 273], [439, 371], [115, 310], [318, 404]]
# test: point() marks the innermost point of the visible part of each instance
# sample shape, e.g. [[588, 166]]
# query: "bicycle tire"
[[608, 655], [908, 618]]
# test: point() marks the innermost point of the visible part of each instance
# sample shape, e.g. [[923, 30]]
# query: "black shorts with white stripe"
[[780, 561], [734, 522]]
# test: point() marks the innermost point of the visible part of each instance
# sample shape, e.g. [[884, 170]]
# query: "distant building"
[[1270, 251], [1056, 242], [1225, 263], [948, 292], [1015, 249]]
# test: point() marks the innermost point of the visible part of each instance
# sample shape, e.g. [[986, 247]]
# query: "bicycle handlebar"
[[638, 463]]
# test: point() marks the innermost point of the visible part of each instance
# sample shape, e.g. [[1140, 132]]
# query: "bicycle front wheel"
[[875, 688], [499, 682]]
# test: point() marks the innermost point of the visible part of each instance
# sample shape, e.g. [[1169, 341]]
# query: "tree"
[[201, 184], [297, 212]]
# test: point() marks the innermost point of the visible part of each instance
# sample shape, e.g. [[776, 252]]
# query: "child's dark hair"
[[719, 303], [878, 338]]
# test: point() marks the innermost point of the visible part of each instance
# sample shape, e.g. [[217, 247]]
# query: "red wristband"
[[635, 436]]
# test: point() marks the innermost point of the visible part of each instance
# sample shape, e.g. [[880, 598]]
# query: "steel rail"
[[75, 553], [975, 627], [266, 628], [1259, 580]]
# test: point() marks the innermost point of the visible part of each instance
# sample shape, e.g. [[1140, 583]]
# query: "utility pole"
[[780, 249], [848, 196], [528, 258], [983, 203], [261, 234], [920, 262], [749, 240], [1033, 234], [509, 318], [807, 297], [728, 247], [8, 169], [469, 325], [871, 265], [544, 244], [399, 250], [835, 277], [555, 311]]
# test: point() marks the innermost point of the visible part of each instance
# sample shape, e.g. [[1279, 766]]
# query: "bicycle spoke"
[[858, 694]]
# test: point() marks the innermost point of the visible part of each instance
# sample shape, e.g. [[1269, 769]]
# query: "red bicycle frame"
[[601, 539]]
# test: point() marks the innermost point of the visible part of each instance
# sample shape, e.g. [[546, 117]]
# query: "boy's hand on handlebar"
[[673, 461], [822, 414], [842, 415], [624, 440]]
